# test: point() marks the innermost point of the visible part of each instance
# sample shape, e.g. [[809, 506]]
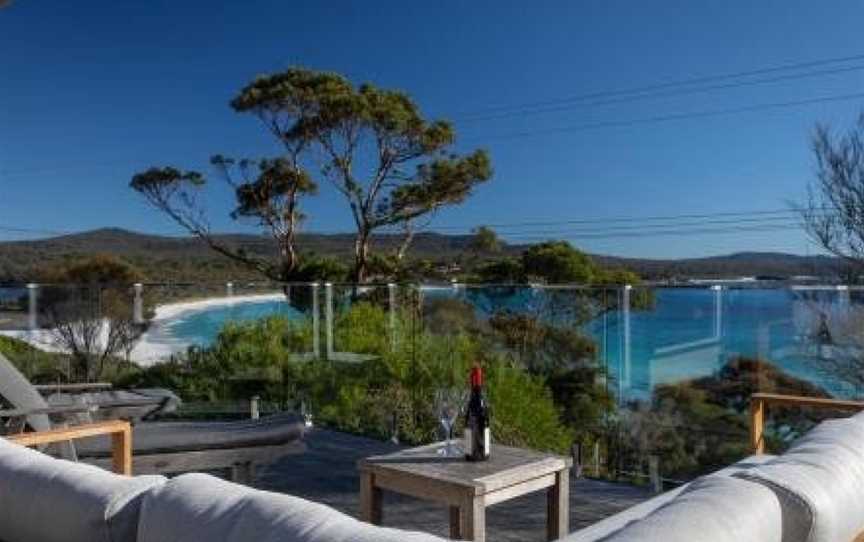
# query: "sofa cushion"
[[202, 508], [822, 476], [711, 509], [611, 524], [53, 500]]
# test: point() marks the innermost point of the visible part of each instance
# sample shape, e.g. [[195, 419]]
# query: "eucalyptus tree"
[[266, 191], [373, 145]]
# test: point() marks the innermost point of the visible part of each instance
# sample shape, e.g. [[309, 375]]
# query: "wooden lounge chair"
[[158, 447]]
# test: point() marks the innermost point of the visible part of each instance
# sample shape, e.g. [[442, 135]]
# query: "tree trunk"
[[288, 259], [361, 257], [406, 243]]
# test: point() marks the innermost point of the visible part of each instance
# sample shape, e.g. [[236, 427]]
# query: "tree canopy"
[[555, 262], [392, 165], [485, 241], [558, 262], [373, 145]]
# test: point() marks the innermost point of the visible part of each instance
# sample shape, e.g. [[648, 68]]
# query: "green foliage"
[[91, 314], [394, 389], [523, 412], [700, 425], [35, 364], [101, 269], [558, 262], [484, 240], [390, 163], [320, 269], [503, 271]]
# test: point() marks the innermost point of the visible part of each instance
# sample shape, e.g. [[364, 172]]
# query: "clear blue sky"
[[92, 91]]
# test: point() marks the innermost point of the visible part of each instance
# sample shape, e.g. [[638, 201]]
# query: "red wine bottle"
[[478, 437]]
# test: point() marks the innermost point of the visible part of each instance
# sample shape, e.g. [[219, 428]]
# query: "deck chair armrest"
[[120, 432], [759, 402]]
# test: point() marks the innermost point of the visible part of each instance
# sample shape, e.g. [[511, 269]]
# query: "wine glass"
[[306, 412], [448, 404]]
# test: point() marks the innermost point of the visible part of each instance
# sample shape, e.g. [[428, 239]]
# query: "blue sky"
[[90, 92]]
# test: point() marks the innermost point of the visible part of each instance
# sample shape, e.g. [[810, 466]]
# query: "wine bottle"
[[478, 438]]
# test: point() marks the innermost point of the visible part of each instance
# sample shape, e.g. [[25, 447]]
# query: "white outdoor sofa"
[[812, 493]]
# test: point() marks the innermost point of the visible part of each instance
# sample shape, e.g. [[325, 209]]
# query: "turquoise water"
[[687, 333], [202, 327], [694, 332]]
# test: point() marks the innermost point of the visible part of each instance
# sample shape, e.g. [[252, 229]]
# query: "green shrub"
[[394, 390]]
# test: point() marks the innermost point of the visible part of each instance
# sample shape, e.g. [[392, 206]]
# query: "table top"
[[506, 466]]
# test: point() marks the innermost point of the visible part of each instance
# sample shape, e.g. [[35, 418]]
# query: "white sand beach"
[[158, 342]]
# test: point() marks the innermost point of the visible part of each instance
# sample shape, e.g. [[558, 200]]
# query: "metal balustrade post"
[[316, 322], [138, 304], [718, 310], [654, 473], [391, 301], [32, 306], [843, 297], [254, 407], [328, 317], [624, 383]]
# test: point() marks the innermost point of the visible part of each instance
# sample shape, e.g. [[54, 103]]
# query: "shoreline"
[[177, 308], [157, 343]]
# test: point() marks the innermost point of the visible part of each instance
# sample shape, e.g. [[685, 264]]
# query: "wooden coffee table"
[[468, 488]]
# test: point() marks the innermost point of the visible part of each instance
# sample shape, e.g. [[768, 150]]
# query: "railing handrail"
[[759, 402]]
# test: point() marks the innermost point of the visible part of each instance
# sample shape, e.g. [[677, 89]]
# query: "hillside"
[[186, 259]]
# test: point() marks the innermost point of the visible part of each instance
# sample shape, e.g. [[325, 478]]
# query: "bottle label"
[[469, 441]]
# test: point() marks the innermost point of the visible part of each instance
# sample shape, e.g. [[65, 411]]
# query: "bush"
[[394, 390]]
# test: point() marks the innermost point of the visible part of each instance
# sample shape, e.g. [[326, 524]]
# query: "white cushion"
[[616, 522], [822, 476], [51, 500], [202, 508], [711, 509]]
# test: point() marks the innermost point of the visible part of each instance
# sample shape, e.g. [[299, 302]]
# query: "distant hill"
[[749, 264], [165, 258]]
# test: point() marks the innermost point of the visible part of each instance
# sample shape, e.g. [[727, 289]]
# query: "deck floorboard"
[[327, 473]]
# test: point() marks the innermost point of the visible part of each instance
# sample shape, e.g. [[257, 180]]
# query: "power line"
[[653, 218], [674, 117], [527, 111], [676, 83], [661, 233], [606, 98], [779, 220]]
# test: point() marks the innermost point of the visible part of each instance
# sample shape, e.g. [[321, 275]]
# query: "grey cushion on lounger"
[[822, 476], [169, 437], [202, 508], [711, 509], [51, 500]]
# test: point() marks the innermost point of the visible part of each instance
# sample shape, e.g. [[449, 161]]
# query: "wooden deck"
[[327, 473]]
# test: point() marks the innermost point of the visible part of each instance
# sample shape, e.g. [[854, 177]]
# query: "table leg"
[[455, 530], [370, 499], [472, 519], [558, 506]]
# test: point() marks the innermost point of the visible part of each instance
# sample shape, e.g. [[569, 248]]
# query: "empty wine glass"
[[306, 412], [448, 404]]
